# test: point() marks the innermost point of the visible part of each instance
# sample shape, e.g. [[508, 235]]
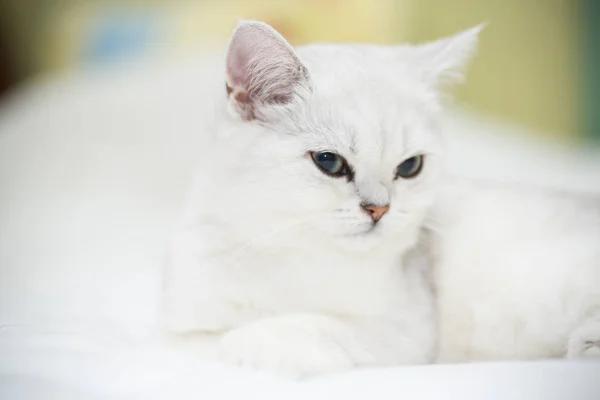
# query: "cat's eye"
[[330, 163], [410, 167]]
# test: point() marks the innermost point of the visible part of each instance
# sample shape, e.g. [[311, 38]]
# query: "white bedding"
[[93, 169]]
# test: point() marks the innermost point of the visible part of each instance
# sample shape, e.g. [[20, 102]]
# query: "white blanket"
[[93, 170]]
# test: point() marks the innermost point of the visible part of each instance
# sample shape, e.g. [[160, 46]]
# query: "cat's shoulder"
[[468, 187], [461, 196]]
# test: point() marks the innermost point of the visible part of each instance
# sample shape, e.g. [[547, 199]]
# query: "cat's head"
[[337, 141]]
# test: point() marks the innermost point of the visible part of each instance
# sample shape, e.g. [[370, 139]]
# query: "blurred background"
[[538, 65]]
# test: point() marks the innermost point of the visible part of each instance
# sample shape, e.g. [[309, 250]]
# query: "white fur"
[[275, 259], [518, 273], [275, 266]]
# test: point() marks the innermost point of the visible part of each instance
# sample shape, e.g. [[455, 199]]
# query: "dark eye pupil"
[[330, 163], [326, 159], [410, 167]]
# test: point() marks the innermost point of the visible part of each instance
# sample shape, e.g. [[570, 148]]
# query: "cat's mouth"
[[365, 232]]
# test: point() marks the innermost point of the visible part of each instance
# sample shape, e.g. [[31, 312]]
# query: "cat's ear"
[[444, 61], [262, 69]]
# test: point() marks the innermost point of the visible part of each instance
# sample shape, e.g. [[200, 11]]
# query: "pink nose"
[[376, 212]]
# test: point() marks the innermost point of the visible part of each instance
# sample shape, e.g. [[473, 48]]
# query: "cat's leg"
[[306, 344], [196, 294], [584, 341]]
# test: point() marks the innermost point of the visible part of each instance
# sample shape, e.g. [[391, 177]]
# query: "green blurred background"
[[538, 65]]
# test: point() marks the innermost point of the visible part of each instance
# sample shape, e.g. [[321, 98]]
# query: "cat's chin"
[[377, 237], [355, 239], [359, 241]]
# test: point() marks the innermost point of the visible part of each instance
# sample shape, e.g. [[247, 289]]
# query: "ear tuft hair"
[[262, 69], [444, 61]]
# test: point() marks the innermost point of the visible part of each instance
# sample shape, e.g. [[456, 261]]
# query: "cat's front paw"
[[292, 347]]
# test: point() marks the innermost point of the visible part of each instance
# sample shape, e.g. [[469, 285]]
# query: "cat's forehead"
[[371, 73], [370, 140], [364, 135], [364, 103]]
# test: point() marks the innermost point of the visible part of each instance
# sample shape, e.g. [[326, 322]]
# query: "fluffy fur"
[[517, 273], [277, 267]]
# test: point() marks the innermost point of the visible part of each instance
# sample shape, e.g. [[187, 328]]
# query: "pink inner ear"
[[261, 66], [239, 56]]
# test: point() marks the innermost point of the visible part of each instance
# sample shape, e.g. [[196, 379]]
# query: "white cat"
[[321, 206], [315, 187]]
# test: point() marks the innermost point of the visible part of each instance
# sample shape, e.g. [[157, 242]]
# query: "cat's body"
[[260, 271], [299, 309], [517, 272], [321, 210]]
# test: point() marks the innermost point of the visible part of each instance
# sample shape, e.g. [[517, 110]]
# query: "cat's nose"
[[376, 212]]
